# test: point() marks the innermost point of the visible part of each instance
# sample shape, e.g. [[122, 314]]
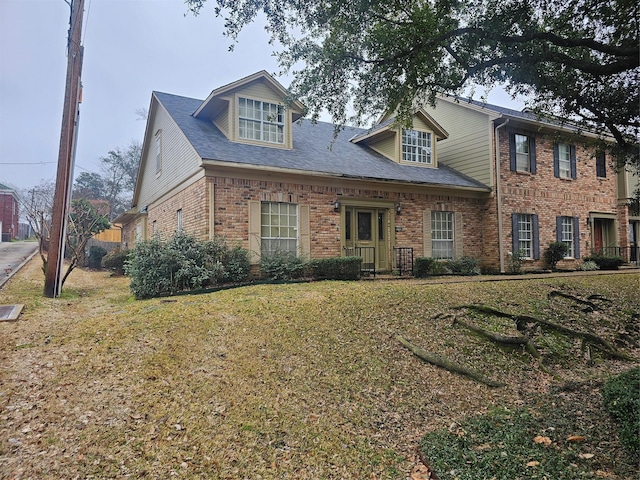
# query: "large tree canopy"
[[574, 59]]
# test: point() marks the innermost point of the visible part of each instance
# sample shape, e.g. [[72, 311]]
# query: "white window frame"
[[525, 235], [564, 160], [179, 220], [523, 153], [279, 228], [442, 235], [261, 121], [158, 151], [567, 236], [417, 146]]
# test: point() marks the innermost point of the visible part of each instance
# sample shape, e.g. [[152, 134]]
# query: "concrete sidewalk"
[[13, 256]]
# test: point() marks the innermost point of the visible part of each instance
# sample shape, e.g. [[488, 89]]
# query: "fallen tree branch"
[[568, 296], [506, 340], [447, 364], [520, 320]]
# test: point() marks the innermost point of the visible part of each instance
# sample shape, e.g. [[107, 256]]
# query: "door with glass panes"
[[367, 227]]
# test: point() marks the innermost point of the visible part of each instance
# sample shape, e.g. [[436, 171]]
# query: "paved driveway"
[[13, 255]]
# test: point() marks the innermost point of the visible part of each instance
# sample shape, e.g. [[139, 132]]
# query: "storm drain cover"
[[10, 312]]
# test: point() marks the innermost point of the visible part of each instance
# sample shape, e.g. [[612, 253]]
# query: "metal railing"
[[628, 254], [403, 260], [368, 255]]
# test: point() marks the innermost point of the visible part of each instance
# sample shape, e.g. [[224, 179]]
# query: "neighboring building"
[[241, 165], [9, 213]]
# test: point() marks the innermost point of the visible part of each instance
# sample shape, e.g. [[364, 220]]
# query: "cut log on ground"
[[442, 362]]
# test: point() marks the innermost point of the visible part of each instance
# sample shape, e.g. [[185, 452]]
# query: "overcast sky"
[[131, 47]]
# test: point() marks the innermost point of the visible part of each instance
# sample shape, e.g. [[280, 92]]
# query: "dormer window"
[[260, 121], [416, 146]]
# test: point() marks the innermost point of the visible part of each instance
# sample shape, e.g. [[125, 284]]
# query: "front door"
[[367, 227]]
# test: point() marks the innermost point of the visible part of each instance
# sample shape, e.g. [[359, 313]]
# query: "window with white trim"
[[442, 235], [158, 151], [260, 121], [278, 228], [523, 154], [564, 160], [567, 235], [179, 219], [525, 235], [416, 146]]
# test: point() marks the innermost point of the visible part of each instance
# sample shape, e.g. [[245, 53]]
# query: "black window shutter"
[[574, 168], [556, 160], [532, 153], [576, 237], [512, 151], [514, 232], [536, 239], [558, 229]]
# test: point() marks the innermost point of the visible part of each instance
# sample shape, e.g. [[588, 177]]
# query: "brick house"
[[9, 213], [241, 165]]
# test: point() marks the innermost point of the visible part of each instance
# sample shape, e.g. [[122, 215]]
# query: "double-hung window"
[[416, 147], [525, 235], [179, 220], [279, 228], [261, 121], [442, 234], [564, 161], [567, 232], [522, 152]]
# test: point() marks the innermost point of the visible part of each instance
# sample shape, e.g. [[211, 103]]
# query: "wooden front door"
[[368, 227]]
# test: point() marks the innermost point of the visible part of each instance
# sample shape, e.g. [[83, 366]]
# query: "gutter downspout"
[[499, 195]]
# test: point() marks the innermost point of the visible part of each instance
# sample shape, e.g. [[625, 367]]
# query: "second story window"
[[416, 146], [522, 152], [564, 160], [261, 121], [158, 151], [601, 165]]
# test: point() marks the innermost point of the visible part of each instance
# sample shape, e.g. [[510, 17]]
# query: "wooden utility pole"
[[64, 177]]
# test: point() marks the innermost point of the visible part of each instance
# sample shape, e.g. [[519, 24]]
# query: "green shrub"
[[114, 260], [95, 256], [516, 260], [588, 266], [183, 263], [336, 268], [423, 267], [604, 262], [463, 266], [282, 265], [622, 400], [555, 252]]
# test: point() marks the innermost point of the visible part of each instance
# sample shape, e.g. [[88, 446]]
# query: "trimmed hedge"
[[604, 262], [622, 401], [423, 267], [336, 268], [95, 256]]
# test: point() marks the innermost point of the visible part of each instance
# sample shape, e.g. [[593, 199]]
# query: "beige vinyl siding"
[[222, 122], [387, 147], [179, 160], [469, 148], [419, 124]]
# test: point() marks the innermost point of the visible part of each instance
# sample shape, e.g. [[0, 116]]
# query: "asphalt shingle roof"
[[314, 151]]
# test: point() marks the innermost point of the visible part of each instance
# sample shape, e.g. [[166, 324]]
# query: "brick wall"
[[547, 196], [8, 216]]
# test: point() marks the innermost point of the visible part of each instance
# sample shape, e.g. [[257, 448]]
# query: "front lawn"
[[300, 381]]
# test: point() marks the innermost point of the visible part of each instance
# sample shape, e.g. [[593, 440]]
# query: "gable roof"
[[314, 151], [261, 76], [388, 125]]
